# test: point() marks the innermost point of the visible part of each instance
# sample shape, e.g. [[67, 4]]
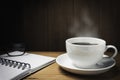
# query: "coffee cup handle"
[[115, 50]]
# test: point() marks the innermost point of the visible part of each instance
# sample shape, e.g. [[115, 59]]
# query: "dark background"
[[44, 25]]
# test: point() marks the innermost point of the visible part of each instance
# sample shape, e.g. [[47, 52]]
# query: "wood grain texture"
[[54, 72], [48, 22], [44, 25]]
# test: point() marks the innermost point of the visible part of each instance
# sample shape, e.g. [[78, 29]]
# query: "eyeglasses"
[[14, 55], [16, 47]]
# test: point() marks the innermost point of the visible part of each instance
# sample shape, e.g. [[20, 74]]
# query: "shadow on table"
[[112, 74]]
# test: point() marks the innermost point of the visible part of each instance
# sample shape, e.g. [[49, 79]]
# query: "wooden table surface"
[[55, 72]]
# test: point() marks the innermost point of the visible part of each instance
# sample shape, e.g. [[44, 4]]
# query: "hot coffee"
[[85, 52], [84, 43]]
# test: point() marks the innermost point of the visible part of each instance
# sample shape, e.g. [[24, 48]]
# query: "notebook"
[[16, 68]]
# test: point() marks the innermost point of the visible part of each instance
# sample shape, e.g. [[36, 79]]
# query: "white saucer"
[[104, 65]]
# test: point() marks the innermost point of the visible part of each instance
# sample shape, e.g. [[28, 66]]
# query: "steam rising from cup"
[[84, 27]]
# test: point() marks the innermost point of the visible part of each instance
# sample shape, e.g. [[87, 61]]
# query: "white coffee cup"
[[87, 51]]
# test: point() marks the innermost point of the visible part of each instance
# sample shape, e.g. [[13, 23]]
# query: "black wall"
[[44, 25]]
